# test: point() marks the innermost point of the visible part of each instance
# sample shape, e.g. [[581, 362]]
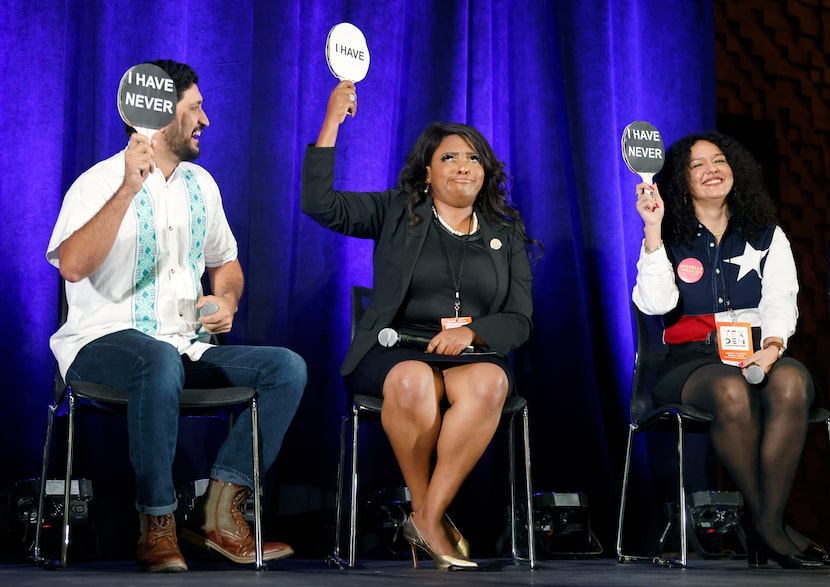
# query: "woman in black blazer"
[[450, 265]]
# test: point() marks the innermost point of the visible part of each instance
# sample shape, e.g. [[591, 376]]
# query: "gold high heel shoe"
[[443, 562], [461, 544]]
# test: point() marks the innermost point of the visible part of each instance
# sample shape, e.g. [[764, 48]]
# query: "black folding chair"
[[644, 417], [369, 407], [102, 399]]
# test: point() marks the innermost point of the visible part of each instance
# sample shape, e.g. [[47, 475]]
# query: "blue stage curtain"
[[551, 84]]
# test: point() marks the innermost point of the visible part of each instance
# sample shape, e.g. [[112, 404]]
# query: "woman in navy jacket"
[[713, 259], [450, 264]]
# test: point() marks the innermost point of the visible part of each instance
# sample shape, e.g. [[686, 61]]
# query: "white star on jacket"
[[749, 261]]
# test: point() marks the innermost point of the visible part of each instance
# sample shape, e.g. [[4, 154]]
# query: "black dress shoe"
[[794, 561], [817, 553], [758, 554]]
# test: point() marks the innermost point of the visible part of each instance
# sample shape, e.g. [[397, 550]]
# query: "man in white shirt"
[[133, 238]]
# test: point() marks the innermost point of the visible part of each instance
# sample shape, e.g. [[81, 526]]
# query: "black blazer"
[[382, 216]]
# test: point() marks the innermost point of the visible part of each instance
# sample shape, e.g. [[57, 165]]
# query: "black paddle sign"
[[643, 150], [147, 98]]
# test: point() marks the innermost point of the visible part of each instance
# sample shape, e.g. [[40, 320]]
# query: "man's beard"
[[179, 144]]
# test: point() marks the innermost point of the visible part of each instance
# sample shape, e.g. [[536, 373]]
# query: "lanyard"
[[718, 265], [456, 282]]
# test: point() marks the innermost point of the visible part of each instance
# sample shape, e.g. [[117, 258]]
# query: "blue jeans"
[[153, 374]]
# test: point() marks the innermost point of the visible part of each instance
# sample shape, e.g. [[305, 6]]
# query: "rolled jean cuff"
[[230, 476], [161, 510]]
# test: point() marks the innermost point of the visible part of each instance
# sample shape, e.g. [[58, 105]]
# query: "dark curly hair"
[[491, 200], [749, 202], [183, 77]]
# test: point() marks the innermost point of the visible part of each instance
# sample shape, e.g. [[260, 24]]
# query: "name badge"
[[447, 323], [734, 341]]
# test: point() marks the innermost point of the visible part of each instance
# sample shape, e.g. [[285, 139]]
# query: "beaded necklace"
[[451, 230]]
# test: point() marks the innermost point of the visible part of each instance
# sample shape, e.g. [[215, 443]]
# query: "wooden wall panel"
[[773, 69]]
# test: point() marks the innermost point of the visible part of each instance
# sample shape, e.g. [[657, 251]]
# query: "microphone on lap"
[[389, 337], [754, 374]]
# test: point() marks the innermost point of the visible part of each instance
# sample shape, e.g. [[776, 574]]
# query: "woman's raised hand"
[[650, 204], [342, 103]]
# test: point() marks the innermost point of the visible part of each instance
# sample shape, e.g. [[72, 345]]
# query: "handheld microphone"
[[754, 374], [390, 337], [208, 309]]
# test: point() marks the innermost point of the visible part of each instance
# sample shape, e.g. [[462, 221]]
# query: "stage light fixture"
[[23, 511], [563, 525], [716, 512], [388, 510], [713, 517], [25, 499]]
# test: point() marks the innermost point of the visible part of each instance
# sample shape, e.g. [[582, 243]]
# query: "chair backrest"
[[361, 296], [63, 312], [651, 350], [206, 400]]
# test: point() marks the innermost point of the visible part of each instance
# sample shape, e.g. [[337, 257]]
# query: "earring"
[[426, 188]]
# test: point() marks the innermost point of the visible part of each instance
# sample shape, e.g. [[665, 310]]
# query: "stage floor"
[[315, 573]]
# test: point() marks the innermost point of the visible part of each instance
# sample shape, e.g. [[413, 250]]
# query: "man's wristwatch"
[[776, 344]]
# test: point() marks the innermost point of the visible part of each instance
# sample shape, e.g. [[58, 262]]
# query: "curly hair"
[[183, 77], [491, 200], [749, 202]]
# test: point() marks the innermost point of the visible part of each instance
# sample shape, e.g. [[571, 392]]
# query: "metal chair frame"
[[649, 355], [370, 408], [103, 399]]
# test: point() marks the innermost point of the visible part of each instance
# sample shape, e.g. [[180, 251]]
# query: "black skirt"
[[371, 372], [683, 359], [680, 362]]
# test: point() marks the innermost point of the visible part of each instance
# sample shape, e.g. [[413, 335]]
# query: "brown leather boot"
[[220, 526], [158, 550]]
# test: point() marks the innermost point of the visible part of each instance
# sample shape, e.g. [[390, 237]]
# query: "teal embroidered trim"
[[198, 227], [145, 290]]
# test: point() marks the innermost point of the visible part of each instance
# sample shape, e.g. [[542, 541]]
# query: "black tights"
[[758, 433]]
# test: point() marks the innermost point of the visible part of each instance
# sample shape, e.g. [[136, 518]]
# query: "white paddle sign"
[[643, 150], [147, 98], [347, 53]]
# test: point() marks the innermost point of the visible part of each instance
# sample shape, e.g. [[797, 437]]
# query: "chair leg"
[[41, 500], [260, 565], [511, 463], [528, 482], [338, 499], [67, 484], [681, 499], [682, 492], [353, 504], [620, 556], [531, 528]]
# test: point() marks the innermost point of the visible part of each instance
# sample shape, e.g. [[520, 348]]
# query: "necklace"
[[451, 230], [719, 234]]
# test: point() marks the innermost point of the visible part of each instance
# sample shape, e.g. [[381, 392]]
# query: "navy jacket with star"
[[694, 286]]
